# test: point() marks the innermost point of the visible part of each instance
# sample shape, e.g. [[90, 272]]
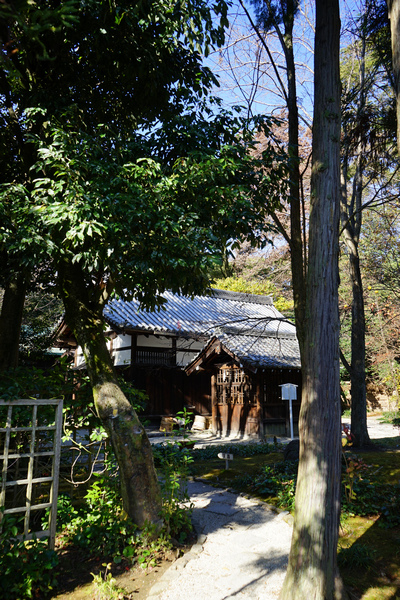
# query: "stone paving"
[[242, 546], [241, 552]]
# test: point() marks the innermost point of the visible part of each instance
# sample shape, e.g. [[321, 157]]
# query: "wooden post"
[[259, 406], [214, 405]]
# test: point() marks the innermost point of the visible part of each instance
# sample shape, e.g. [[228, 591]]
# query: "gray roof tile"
[[249, 325]]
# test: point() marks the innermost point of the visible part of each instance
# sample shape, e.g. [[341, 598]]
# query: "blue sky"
[[244, 68]]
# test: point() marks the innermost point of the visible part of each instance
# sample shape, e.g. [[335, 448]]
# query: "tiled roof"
[[258, 352], [201, 315], [249, 325]]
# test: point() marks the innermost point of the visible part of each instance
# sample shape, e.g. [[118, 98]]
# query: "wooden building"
[[224, 356]]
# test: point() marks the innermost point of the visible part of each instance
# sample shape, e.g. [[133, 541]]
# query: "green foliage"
[[354, 467], [173, 462], [27, 567], [100, 525], [105, 586], [177, 216], [60, 381], [142, 183], [210, 452], [356, 557], [42, 310], [262, 287], [33, 382], [279, 480], [392, 417], [363, 492], [66, 512]]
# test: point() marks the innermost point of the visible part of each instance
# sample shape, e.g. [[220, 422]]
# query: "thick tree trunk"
[[312, 572], [139, 486], [10, 321], [394, 16]]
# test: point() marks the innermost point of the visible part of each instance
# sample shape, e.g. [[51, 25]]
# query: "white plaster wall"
[[123, 357], [156, 342]]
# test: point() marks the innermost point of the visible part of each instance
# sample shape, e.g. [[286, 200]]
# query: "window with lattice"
[[234, 386]]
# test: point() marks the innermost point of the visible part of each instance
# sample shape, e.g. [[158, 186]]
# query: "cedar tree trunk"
[[357, 372], [297, 244], [139, 486], [351, 218], [312, 572], [10, 320], [394, 16]]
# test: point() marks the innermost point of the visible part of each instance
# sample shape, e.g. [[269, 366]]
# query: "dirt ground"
[[77, 570]]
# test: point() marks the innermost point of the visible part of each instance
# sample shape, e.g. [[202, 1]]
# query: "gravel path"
[[241, 552], [242, 547]]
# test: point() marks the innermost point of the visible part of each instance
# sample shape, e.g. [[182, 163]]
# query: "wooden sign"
[[226, 457]]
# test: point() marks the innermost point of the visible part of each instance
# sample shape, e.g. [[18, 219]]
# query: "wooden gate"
[[30, 435]]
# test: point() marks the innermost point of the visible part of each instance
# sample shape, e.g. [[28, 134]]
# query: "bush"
[[357, 556], [27, 567], [279, 480], [173, 464], [243, 450]]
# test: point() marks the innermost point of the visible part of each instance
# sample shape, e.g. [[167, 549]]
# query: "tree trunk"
[[394, 16], [351, 220], [351, 217], [139, 486], [357, 373], [297, 244], [10, 320], [312, 572]]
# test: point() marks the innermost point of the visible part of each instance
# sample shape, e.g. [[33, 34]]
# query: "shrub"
[[27, 567], [173, 464], [357, 556], [243, 450], [279, 480]]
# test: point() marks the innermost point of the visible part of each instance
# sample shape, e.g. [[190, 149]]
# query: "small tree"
[[130, 182]]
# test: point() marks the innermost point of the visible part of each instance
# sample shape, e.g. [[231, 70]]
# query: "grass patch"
[[369, 558], [240, 475]]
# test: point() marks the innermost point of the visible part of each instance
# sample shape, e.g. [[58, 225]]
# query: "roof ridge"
[[241, 297]]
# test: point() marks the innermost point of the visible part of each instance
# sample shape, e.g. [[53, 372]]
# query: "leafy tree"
[[381, 260], [260, 287], [126, 181]]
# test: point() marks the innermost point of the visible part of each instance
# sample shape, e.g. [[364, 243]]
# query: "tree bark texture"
[[394, 16], [297, 244], [312, 572], [357, 374], [351, 218], [11, 319], [139, 485]]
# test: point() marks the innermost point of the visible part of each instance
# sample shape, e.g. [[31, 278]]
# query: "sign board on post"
[[226, 457], [289, 392]]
